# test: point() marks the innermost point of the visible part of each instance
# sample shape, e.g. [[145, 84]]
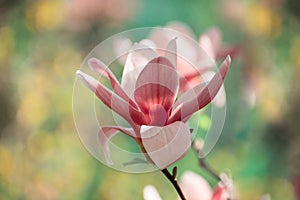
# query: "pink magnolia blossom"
[[146, 100], [195, 187], [190, 65], [210, 40]]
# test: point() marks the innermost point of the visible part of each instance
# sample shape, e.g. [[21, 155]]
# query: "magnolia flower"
[[210, 40], [189, 63], [146, 100], [195, 187]]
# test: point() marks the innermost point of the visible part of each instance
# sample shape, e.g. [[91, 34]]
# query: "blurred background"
[[42, 44]]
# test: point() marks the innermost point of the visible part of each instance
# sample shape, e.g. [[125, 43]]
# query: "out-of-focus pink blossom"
[[195, 187], [150, 193], [210, 41], [225, 189], [189, 60], [296, 185], [146, 100], [81, 14]]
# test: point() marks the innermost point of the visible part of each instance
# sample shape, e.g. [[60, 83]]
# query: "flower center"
[[158, 115]]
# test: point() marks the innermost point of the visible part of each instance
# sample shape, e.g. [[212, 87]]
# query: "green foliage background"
[[40, 50]]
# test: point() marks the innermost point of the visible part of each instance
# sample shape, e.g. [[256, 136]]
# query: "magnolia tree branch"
[[173, 180], [202, 162]]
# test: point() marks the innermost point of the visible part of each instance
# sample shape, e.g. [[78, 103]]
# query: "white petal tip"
[[79, 74], [228, 59], [89, 81], [227, 62], [93, 60], [96, 65]]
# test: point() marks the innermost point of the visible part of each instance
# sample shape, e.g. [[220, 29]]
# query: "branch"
[[172, 179], [202, 162]]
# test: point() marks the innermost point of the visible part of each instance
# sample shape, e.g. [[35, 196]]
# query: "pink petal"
[[182, 28], [102, 69], [166, 145], [139, 56], [211, 42], [113, 101], [189, 56], [121, 48], [171, 52], [148, 43], [192, 78], [162, 37], [233, 51], [195, 187], [106, 133], [156, 89], [218, 193], [98, 66], [204, 97], [220, 98], [226, 187], [188, 70], [188, 95], [186, 84], [187, 47]]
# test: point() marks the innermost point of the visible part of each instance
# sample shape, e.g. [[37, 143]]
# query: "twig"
[[203, 163], [172, 179]]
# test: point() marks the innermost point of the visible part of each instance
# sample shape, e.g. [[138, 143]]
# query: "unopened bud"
[[198, 144]]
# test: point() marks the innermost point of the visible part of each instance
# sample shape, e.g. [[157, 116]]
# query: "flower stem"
[[174, 182]]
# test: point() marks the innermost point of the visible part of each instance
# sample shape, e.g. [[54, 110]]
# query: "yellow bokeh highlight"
[[7, 163], [46, 14], [32, 109], [7, 42], [66, 62], [35, 98], [271, 98], [262, 21]]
